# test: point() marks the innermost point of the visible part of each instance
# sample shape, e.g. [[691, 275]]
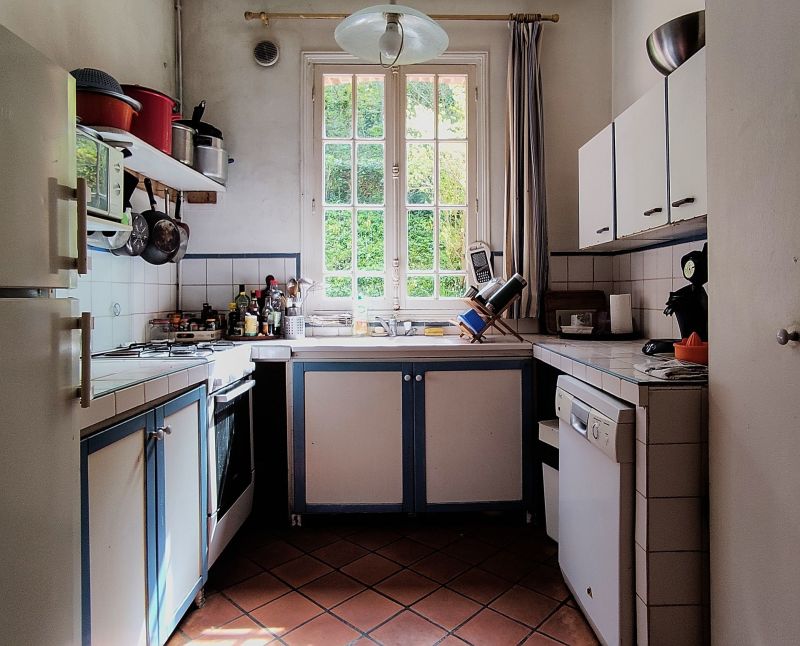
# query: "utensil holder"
[[294, 327]]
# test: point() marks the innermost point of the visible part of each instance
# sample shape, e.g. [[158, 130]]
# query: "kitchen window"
[[392, 185]]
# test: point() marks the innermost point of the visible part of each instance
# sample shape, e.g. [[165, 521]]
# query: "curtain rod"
[[265, 17]]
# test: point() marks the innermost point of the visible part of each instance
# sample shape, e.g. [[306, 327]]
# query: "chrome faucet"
[[390, 325]]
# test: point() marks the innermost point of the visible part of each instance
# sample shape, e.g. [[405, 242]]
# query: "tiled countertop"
[[608, 365]]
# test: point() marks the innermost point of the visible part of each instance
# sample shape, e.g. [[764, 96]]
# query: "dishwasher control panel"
[[611, 438]]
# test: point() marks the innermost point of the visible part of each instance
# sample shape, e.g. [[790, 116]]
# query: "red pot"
[[153, 124], [96, 109]]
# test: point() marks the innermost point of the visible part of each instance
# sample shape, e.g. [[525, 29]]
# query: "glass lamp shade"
[[360, 34]]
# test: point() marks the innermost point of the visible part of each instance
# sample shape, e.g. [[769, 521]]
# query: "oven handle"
[[229, 396]]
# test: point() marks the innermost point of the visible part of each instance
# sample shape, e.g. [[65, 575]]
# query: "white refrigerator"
[[40, 343]]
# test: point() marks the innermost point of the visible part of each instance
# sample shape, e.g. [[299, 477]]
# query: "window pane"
[[370, 286], [338, 286], [338, 173], [420, 240], [419, 106], [370, 240], [451, 286], [452, 173], [338, 106], [369, 173], [369, 107], [338, 240], [420, 286], [451, 239], [419, 173], [452, 107]]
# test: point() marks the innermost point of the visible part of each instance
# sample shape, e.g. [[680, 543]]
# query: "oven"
[[231, 472]]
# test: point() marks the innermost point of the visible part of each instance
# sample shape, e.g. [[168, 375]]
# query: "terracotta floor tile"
[[571, 602], [479, 585], [331, 589], [371, 568], [405, 551], [366, 610], [274, 553], [470, 550], [309, 539], [301, 570], [508, 565], [488, 628], [285, 613], [374, 539], [569, 626], [547, 580], [499, 535], [440, 567], [408, 629], [406, 587], [230, 569], [451, 640], [436, 537], [178, 639], [447, 608], [339, 553], [538, 639], [325, 630], [536, 542], [256, 591], [216, 612], [526, 606], [239, 631]]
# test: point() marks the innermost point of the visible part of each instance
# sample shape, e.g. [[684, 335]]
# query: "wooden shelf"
[[158, 166]]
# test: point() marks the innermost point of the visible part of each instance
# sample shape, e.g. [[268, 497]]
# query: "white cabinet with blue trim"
[[144, 522], [410, 436]]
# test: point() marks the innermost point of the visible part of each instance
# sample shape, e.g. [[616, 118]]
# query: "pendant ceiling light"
[[391, 34]]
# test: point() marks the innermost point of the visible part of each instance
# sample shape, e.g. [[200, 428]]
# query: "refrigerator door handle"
[[81, 195], [85, 324]]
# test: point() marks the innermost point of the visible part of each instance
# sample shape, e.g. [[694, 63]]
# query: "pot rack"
[[265, 16]]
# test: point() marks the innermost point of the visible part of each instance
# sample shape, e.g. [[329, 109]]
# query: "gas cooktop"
[[167, 349]]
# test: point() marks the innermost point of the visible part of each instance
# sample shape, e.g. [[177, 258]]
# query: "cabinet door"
[[687, 139], [596, 189], [641, 164], [352, 436], [116, 503], [469, 432], [182, 549]]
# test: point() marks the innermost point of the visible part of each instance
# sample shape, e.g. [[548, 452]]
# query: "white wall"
[[754, 435], [633, 21], [258, 108]]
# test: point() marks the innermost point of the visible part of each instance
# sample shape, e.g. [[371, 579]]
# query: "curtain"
[[525, 204]]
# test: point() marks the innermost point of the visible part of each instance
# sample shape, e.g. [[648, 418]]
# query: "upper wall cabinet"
[[641, 164], [686, 96], [596, 189]]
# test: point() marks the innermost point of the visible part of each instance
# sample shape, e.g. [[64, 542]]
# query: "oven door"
[[232, 441]]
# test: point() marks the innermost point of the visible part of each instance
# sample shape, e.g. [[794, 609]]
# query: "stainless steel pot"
[[208, 140], [183, 143], [212, 162]]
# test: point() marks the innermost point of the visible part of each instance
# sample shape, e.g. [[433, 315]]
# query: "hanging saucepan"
[[139, 233], [201, 127], [165, 237], [184, 230]]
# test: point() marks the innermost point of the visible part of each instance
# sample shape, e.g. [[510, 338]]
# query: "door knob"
[[406, 377], [418, 377], [783, 337]]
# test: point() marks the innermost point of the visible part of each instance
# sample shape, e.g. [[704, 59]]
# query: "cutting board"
[[589, 299]]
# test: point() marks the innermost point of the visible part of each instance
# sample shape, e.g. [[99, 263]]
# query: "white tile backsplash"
[[193, 271], [580, 268], [603, 272], [558, 269], [219, 271], [274, 266], [245, 270]]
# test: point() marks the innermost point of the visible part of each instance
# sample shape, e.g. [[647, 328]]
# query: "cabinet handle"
[[85, 323], [82, 197], [159, 433], [603, 230], [647, 214], [783, 337], [418, 378], [406, 377], [681, 202]]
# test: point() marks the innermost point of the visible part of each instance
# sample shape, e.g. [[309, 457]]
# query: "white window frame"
[[311, 208]]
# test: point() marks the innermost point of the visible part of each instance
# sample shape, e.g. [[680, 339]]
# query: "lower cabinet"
[[411, 436], [143, 515]]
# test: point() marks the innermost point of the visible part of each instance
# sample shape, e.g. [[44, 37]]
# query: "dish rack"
[[490, 320]]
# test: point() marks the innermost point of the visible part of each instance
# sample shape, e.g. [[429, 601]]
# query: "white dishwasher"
[[596, 506]]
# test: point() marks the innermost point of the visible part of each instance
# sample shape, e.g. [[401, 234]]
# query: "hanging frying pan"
[[164, 234], [140, 233], [184, 229]]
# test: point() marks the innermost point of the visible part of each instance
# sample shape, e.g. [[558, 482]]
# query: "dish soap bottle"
[[360, 318]]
